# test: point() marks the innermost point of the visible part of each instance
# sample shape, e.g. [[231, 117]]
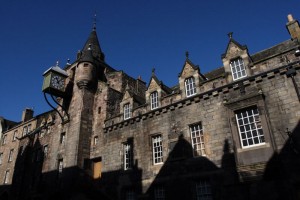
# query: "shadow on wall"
[[281, 179], [180, 177], [182, 174]]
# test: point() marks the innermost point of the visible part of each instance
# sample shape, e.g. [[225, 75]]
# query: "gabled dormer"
[[155, 92], [129, 102], [190, 78], [236, 60]]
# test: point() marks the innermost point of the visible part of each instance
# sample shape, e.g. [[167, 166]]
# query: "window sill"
[[254, 147]]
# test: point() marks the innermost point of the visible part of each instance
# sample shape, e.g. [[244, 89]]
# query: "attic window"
[[238, 69], [127, 113], [190, 86], [154, 100]]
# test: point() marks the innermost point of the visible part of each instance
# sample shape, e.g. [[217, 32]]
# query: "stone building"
[[232, 133]]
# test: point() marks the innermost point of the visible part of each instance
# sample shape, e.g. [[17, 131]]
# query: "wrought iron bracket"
[[63, 119]]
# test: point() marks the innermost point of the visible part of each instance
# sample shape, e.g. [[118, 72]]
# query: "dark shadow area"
[[179, 176], [281, 179], [182, 171]]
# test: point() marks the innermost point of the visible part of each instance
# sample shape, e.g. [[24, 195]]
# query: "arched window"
[[190, 86]]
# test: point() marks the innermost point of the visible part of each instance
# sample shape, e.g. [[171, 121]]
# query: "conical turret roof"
[[93, 43]]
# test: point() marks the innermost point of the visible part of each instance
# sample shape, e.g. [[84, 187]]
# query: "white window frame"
[[197, 138], [203, 190], [127, 149], [157, 149], [6, 177], [190, 86], [159, 193], [238, 69], [154, 100], [250, 127], [10, 155], [127, 111]]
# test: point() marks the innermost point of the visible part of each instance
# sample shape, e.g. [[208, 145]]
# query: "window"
[[15, 135], [203, 191], [60, 165], [159, 193], [1, 158], [157, 149], [250, 128], [45, 149], [130, 195], [6, 177], [238, 69], [62, 137], [154, 100], [10, 156], [96, 140], [29, 128], [127, 113], [190, 86], [4, 139], [127, 156], [197, 138], [25, 130]]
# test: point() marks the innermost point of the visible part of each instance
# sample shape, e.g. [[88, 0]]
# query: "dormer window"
[[238, 69], [127, 113], [154, 100], [190, 86]]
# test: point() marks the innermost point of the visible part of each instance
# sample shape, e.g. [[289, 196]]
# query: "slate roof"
[[275, 50]]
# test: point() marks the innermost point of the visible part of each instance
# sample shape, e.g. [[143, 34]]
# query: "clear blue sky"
[[135, 35]]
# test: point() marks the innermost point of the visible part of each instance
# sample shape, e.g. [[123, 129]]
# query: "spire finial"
[[57, 62], [68, 61], [230, 35], [187, 54], [95, 20], [153, 71]]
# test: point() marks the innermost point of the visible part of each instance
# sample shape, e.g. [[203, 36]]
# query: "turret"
[[86, 69], [91, 64]]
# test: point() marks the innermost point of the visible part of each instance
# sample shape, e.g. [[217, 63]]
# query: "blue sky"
[[135, 35]]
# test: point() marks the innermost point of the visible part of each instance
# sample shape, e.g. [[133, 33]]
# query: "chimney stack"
[[27, 114], [293, 27]]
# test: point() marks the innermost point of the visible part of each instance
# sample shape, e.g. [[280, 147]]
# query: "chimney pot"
[[290, 18]]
